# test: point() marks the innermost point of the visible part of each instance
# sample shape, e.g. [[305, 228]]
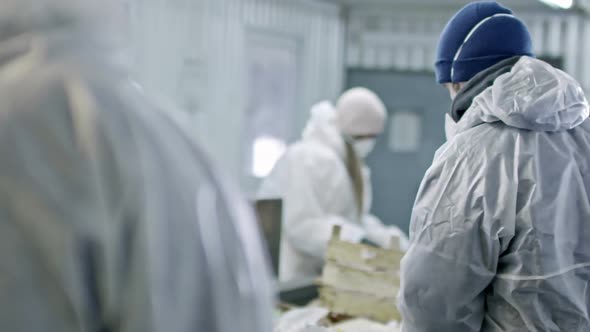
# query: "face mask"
[[363, 147], [450, 127]]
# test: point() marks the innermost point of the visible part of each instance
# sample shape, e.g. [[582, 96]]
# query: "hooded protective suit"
[[500, 238], [317, 192], [110, 218]]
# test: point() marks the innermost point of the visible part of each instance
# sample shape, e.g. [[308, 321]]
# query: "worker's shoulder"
[[483, 141], [311, 153]]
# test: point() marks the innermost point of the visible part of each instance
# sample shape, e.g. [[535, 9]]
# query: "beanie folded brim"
[[462, 70], [443, 71]]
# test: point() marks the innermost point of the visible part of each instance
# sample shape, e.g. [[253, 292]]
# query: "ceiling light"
[[563, 4]]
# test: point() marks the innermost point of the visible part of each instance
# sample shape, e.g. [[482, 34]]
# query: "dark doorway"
[[397, 173]]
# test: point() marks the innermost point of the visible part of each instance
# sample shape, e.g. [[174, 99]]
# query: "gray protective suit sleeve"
[[456, 240], [111, 219]]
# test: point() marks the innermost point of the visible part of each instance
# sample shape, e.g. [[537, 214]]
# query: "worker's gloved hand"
[[382, 234], [369, 242]]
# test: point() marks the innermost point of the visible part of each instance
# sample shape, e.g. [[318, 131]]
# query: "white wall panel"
[[554, 37], [584, 45], [209, 39], [572, 47]]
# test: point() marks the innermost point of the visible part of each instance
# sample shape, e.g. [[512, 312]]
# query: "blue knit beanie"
[[480, 35]]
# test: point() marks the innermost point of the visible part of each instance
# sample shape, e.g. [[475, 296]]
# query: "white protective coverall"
[[317, 192], [111, 219], [500, 232]]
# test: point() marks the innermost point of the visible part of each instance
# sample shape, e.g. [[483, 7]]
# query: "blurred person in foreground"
[[500, 231], [324, 181], [111, 219]]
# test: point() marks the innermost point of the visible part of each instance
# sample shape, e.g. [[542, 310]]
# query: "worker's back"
[[110, 217], [544, 266], [500, 232]]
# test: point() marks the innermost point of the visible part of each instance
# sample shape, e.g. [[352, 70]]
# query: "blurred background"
[[248, 71]]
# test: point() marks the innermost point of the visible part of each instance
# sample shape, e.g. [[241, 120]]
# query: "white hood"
[[322, 127], [533, 96]]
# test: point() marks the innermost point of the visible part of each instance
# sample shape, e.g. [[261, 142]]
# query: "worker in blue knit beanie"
[[499, 236]]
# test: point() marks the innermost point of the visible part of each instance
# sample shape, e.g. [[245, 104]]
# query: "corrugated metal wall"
[[406, 39], [193, 53]]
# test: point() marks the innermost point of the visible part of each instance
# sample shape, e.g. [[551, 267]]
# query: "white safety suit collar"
[[518, 100], [322, 128], [483, 80]]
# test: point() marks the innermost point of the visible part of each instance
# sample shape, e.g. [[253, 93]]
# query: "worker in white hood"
[[111, 217], [324, 182], [500, 230]]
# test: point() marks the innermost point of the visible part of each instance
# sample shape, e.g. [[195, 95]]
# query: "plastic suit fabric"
[[500, 239], [110, 218], [317, 192]]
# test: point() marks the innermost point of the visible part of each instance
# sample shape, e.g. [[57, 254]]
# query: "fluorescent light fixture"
[[563, 4], [267, 151]]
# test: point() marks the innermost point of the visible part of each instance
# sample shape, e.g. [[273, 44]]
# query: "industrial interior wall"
[[194, 55], [405, 38]]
